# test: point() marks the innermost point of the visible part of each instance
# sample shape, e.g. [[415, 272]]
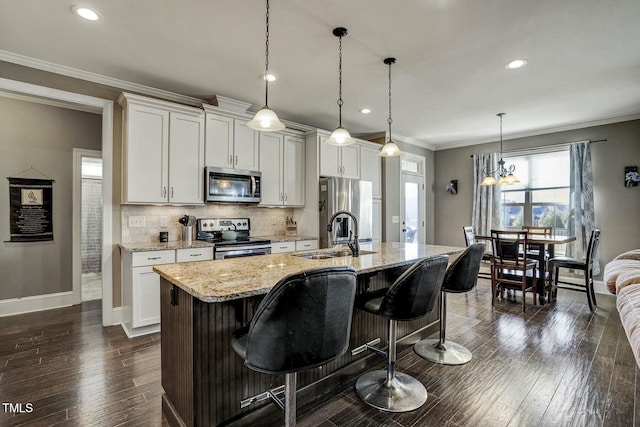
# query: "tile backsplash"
[[264, 221]]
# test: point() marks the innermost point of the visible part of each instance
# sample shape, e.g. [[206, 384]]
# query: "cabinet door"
[[146, 154], [271, 168], [293, 171], [219, 141], [371, 169], [350, 160], [329, 159], [245, 146], [186, 159], [146, 297]]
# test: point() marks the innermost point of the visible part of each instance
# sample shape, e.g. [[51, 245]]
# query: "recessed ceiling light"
[[269, 77], [516, 63], [85, 13], [365, 110]]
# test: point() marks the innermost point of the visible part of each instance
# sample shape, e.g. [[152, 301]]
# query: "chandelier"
[[504, 175]]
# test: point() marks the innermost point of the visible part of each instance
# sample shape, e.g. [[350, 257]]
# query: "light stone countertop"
[[281, 238], [159, 246], [230, 279]]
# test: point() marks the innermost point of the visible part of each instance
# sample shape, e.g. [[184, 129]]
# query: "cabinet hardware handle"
[[281, 197], [154, 257], [195, 255], [283, 247], [164, 191], [285, 197], [236, 160], [172, 192], [306, 246]]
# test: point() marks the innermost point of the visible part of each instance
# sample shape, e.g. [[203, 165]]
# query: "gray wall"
[[617, 207], [43, 137]]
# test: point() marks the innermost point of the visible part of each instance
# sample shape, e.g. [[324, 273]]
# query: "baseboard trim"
[[10, 307]]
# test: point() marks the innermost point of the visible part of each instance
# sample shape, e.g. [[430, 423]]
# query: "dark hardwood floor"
[[554, 365]]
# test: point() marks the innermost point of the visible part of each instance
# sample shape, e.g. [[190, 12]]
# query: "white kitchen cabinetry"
[[282, 247], [230, 143], [163, 151], [339, 161], [371, 168], [306, 245], [282, 159], [141, 286]]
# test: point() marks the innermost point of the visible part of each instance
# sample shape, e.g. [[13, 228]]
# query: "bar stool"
[[302, 323], [411, 296], [461, 276]]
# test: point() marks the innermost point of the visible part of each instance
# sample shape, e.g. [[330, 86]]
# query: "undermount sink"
[[329, 254]]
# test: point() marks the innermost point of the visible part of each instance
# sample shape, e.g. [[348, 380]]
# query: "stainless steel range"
[[213, 230]]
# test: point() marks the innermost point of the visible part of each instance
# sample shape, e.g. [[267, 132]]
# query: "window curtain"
[[582, 214], [486, 198]]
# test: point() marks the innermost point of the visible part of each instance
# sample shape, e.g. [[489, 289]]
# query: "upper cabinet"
[[230, 143], [372, 168], [339, 161], [282, 159], [163, 151]]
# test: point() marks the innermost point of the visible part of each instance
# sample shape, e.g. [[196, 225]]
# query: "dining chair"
[[511, 268], [585, 265], [470, 238]]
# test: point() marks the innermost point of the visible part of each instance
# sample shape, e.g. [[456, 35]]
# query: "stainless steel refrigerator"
[[342, 194]]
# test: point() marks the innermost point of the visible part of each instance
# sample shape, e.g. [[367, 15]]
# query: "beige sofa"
[[622, 277]]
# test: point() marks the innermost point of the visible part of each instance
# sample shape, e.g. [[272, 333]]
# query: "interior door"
[[412, 215]]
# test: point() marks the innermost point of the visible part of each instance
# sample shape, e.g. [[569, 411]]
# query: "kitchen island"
[[203, 303]]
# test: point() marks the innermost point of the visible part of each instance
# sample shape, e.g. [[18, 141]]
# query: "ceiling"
[[449, 81]]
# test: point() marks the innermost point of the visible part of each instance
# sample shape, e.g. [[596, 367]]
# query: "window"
[[541, 198]]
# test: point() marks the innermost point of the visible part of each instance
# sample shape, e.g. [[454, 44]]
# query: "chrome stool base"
[[402, 393], [452, 353]]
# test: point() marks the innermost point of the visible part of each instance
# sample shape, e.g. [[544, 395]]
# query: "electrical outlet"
[[395, 219], [136, 221], [274, 220], [163, 221]]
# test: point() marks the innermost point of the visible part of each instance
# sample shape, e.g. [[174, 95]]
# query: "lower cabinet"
[[293, 246], [141, 286]]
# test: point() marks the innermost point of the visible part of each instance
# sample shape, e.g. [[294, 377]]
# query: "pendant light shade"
[[266, 120], [340, 135], [505, 175], [389, 149]]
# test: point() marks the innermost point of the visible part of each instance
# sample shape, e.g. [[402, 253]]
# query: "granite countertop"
[[159, 246], [282, 238], [229, 279]]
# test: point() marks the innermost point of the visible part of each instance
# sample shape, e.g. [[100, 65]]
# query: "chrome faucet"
[[354, 246]]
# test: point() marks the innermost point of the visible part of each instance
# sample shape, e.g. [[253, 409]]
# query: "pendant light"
[[266, 120], [389, 149], [506, 176], [340, 135]]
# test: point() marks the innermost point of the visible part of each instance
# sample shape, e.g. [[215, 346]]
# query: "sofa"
[[622, 278]]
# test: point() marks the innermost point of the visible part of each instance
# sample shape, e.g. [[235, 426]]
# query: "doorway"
[[412, 212], [88, 225]]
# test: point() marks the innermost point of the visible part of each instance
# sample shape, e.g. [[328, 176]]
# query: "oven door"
[[232, 185], [241, 251]]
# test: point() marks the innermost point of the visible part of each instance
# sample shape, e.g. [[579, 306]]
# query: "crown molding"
[[537, 132], [63, 70]]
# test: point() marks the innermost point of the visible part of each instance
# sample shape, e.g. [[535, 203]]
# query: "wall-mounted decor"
[[452, 187], [631, 176], [31, 209]]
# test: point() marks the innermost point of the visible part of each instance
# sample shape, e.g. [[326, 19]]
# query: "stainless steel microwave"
[[231, 185]]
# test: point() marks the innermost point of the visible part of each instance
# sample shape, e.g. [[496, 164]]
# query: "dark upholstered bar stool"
[[410, 297], [302, 323], [461, 276]]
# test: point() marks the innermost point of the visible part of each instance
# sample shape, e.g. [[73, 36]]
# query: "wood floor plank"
[[556, 364]]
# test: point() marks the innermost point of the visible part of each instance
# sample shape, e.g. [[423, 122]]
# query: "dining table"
[[543, 244]]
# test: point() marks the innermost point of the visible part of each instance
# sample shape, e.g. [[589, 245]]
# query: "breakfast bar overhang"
[[203, 303]]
